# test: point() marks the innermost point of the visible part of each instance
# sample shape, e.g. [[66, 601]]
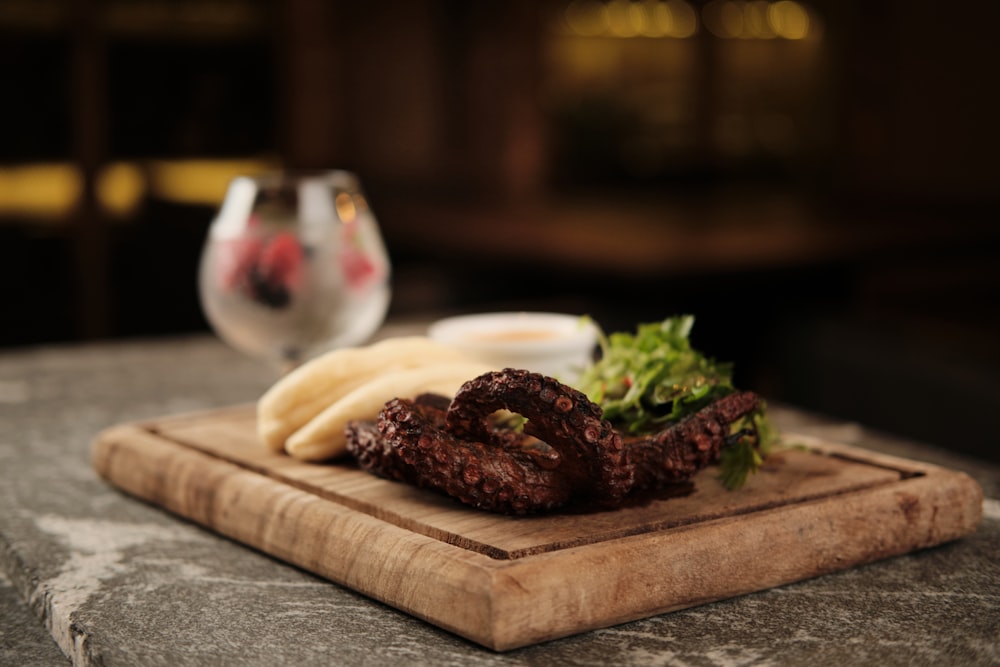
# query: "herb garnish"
[[647, 380]]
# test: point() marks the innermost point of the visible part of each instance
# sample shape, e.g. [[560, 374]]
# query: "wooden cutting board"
[[507, 582]]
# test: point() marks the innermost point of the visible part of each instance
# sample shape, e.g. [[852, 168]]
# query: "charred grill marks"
[[455, 449]]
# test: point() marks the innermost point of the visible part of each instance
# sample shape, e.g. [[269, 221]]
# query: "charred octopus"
[[565, 451]]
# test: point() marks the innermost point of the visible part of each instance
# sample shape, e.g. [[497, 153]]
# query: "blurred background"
[[816, 180]]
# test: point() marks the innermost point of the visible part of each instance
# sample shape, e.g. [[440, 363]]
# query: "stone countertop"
[[114, 581]]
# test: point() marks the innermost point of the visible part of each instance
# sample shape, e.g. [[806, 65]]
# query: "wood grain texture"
[[506, 582]]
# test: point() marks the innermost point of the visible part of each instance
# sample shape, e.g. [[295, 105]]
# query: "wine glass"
[[294, 265]]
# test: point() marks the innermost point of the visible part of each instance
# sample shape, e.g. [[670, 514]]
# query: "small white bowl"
[[557, 345]]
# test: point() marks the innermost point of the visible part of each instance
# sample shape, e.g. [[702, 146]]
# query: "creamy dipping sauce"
[[512, 335], [555, 344]]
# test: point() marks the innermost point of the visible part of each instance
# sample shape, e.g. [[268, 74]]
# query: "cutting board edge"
[[203, 486], [506, 604], [909, 515], [859, 453]]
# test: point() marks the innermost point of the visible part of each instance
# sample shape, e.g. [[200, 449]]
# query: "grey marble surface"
[[93, 577]]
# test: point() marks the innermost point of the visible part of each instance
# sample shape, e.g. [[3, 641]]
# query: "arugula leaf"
[[646, 380], [654, 376], [745, 457]]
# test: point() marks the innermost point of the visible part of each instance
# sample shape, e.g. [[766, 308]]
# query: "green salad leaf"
[[647, 379], [652, 378], [745, 457]]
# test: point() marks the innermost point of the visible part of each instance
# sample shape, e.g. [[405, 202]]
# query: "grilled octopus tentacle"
[[678, 451], [457, 451], [376, 455], [590, 449], [500, 476]]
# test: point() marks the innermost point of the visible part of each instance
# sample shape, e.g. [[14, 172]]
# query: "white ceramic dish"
[[555, 344]]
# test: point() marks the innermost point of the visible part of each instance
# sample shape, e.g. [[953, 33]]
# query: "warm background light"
[[50, 192], [43, 191], [759, 19], [199, 181], [121, 187], [677, 19]]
